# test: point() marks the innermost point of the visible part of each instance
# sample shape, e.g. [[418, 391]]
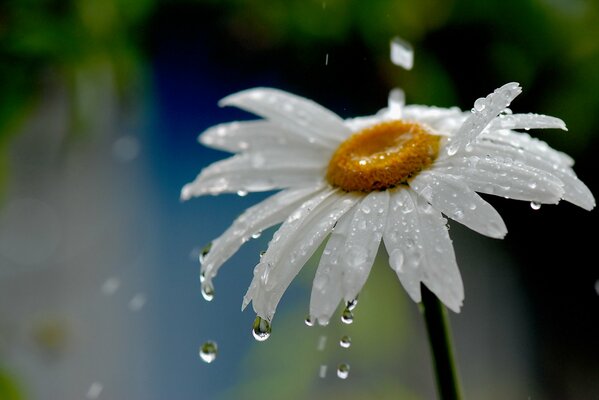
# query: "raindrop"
[[351, 305], [137, 302], [322, 372], [347, 317], [309, 321], [208, 351], [207, 291], [256, 235], [322, 342], [326, 59], [94, 390], [345, 341], [534, 205], [242, 193], [205, 252], [110, 286], [479, 104], [402, 53], [261, 329], [343, 371]]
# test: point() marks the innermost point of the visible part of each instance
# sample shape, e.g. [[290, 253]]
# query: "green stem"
[[439, 334]]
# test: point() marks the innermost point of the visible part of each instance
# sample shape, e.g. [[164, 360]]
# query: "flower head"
[[391, 177]]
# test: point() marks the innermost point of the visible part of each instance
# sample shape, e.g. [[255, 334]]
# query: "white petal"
[[420, 249], [327, 289], [255, 219], [484, 111], [236, 137], [503, 176], [362, 244], [300, 115], [521, 140], [292, 245], [443, 121], [527, 121], [256, 172], [455, 199]]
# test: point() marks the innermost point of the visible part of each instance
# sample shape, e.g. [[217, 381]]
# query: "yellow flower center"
[[382, 156]]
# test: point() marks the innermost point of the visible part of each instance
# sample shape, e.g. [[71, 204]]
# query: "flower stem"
[[439, 334]]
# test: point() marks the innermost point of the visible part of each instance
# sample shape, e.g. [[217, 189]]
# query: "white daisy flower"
[[354, 183]]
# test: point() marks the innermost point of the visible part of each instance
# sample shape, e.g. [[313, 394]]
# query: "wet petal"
[[256, 172], [527, 121], [420, 250], [295, 113], [292, 245], [455, 199], [255, 219], [258, 135]]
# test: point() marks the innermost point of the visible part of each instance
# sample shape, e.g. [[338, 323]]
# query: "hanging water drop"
[[261, 329], [534, 205], [207, 291], [242, 193], [345, 341], [351, 305], [205, 252], [309, 321], [208, 351], [347, 317], [256, 235], [343, 371]]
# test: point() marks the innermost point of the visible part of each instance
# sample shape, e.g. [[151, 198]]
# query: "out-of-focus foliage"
[[8, 387], [82, 44]]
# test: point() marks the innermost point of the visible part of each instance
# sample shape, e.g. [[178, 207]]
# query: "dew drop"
[[351, 305], [343, 371], [207, 291], [242, 193], [365, 209], [345, 341], [532, 185], [204, 252], [208, 351], [261, 329], [479, 104], [534, 205], [347, 317]]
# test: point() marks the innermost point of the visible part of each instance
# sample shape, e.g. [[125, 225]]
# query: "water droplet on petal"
[[396, 260], [347, 317], [345, 341], [351, 305], [261, 329], [479, 104], [208, 351], [256, 235], [204, 252], [343, 371], [534, 205], [242, 193], [309, 321], [207, 291]]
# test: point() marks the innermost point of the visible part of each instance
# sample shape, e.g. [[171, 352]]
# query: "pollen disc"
[[382, 156]]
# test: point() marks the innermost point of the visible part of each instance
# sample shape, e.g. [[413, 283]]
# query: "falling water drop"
[[261, 329], [534, 205], [322, 371], [343, 371], [205, 252], [208, 351], [345, 341], [347, 317], [207, 291], [322, 342]]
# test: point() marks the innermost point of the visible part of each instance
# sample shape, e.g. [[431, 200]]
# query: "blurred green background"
[[100, 105]]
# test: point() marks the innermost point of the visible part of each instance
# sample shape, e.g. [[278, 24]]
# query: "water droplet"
[[322, 372], [207, 291], [322, 342], [205, 252], [261, 329], [396, 259], [110, 286], [351, 305], [242, 193], [365, 209], [532, 185], [343, 371], [347, 317], [137, 302], [479, 104], [309, 321], [402, 53], [208, 351], [94, 390], [345, 341], [534, 205], [256, 235]]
